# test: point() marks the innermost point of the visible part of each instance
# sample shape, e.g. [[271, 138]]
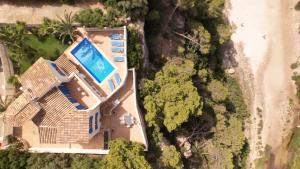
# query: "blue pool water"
[[93, 61]]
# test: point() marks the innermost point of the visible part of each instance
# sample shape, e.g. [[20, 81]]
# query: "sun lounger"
[[119, 58], [116, 36], [117, 50], [117, 43], [91, 124], [64, 89], [111, 85], [96, 122], [72, 100], [80, 107], [117, 78]]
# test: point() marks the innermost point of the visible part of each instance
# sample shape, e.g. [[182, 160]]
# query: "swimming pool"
[[92, 60]]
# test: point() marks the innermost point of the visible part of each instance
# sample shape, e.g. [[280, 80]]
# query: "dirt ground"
[[266, 42]]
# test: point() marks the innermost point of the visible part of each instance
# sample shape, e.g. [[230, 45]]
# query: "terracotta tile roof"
[[66, 65], [55, 106], [75, 128], [67, 124], [21, 110], [57, 118], [39, 78], [47, 135]]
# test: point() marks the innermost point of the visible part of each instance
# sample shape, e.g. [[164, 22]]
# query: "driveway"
[[34, 13], [7, 91]]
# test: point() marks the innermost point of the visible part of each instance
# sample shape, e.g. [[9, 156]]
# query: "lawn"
[[49, 47]]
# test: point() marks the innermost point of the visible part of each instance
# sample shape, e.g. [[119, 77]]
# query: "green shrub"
[[235, 102], [69, 2], [296, 78], [295, 141], [134, 49], [91, 18], [294, 65]]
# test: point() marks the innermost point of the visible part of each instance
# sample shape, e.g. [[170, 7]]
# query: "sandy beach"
[[266, 39]]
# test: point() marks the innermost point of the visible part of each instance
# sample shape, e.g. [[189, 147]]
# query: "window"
[[91, 125], [96, 121]]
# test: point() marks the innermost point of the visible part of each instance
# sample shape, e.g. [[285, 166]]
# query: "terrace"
[[78, 92]]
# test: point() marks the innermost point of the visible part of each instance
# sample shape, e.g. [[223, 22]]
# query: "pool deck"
[[102, 41]]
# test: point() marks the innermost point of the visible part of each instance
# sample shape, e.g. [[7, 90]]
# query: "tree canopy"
[[171, 97], [218, 91], [201, 39], [171, 158], [91, 18], [229, 133], [125, 155], [13, 159], [224, 32], [136, 9]]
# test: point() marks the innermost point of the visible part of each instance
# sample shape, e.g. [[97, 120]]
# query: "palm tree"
[[14, 81], [13, 36], [64, 27]]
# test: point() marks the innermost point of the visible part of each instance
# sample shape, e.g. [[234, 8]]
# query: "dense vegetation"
[[51, 38], [189, 95], [184, 93], [122, 155], [135, 9], [26, 46]]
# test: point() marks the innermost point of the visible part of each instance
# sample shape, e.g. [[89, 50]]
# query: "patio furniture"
[[119, 58], [80, 107], [111, 85], [117, 78], [72, 100], [116, 36], [117, 43], [64, 89], [117, 50], [128, 119], [96, 122]]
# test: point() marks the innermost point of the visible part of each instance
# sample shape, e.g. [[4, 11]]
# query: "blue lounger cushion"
[[64, 89], [117, 43], [111, 85], [119, 58], [117, 78], [72, 100], [116, 36], [80, 107], [117, 49]]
